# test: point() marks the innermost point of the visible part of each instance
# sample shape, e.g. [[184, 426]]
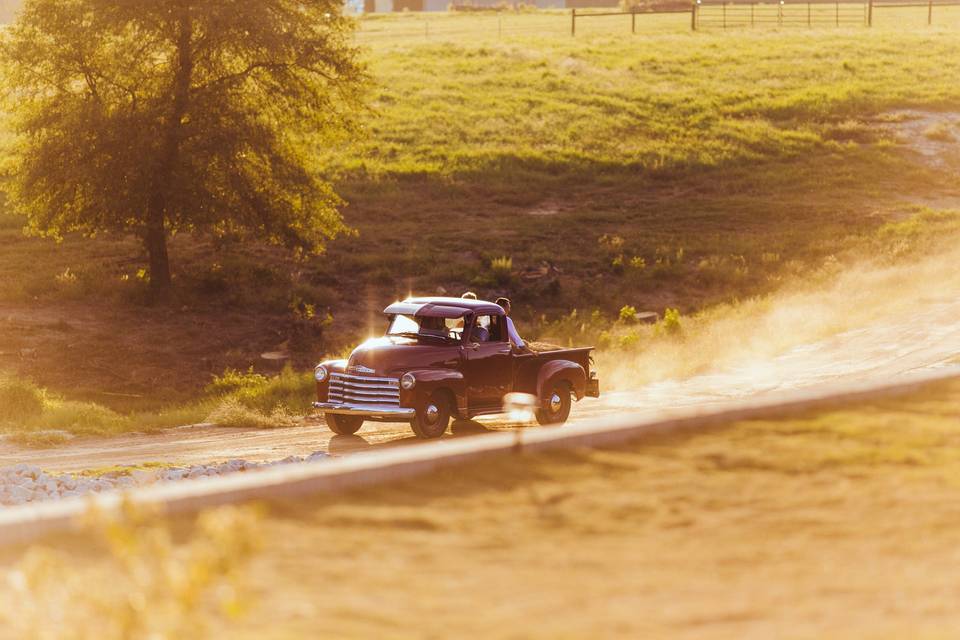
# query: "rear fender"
[[562, 370], [428, 381]]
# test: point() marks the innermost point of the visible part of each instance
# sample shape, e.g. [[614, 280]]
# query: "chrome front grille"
[[364, 390]]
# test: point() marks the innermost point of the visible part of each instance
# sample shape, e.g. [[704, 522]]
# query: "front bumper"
[[367, 410]]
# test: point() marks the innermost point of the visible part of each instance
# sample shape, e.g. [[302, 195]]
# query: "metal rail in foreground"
[[24, 523]]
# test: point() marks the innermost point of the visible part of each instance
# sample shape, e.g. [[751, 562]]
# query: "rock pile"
[[23, 483]]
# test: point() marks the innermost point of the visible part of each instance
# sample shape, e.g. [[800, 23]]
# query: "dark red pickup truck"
[[443, 358]]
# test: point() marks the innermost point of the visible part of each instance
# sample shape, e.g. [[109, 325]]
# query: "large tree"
[[158, 116]]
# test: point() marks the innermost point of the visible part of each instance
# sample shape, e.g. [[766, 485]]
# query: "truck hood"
[[391, 356]]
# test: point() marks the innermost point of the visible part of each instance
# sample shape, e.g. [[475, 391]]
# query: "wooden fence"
[[720, 14]]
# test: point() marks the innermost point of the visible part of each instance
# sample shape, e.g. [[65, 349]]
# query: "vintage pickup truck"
[[443, 358]]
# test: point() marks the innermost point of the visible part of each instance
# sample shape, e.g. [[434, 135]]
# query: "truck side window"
[[497, 332], [490, 327]]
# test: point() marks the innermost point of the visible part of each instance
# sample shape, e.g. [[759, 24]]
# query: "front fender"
[[333, 366], [556, 370], [428, 381]]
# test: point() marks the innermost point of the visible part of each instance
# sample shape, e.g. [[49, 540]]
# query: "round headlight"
[[408, 381], [320, 373]]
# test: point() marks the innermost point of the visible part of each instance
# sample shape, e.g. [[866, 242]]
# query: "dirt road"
[[883, 350]]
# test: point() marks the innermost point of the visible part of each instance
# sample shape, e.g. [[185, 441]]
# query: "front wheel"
[[432, 418], [555, 405], [343, 425]]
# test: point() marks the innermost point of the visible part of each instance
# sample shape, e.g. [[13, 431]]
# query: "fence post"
[[752, 5], [838, 13], [780, 14], [693, 15], [499, 27], [724, 5], [929, 13], [869, 13], [808, 16], [573, 22], [633, 19], [426, 28]]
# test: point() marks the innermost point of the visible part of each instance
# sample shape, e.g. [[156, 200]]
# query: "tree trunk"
[[156, 243], [155, 238]]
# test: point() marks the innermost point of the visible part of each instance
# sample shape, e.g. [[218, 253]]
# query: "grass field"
[[830, 525], [667, 169]]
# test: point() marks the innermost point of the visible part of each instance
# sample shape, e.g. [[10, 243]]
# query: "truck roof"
[[441, 307]]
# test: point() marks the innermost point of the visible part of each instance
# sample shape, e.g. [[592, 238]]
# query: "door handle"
[[474, 346]]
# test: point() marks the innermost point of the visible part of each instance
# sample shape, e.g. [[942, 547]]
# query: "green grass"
[[618, 104], [29, 413]]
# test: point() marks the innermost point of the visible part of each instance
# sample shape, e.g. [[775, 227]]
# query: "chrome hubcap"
[[432, 413], [555, 402]]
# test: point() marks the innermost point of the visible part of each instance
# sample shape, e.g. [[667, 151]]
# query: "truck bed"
[[528, 365]]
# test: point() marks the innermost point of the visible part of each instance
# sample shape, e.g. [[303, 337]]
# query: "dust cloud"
[[867, 319]]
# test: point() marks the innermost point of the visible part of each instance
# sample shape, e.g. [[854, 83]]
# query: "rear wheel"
[[433, 417], [555, 405], [343, 425]]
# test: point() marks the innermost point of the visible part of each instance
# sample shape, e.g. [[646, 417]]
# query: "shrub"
[[233, 413], [612, 243], [83, 418], [20, 401], [24, 408], [628, 314], [629, 340], [253, 399], [501, 269], [671, 322], [617, 264], [233, 380]]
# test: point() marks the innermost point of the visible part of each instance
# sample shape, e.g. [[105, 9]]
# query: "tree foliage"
[[159, 116]]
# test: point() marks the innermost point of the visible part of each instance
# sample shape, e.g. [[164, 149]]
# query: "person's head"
[[505, 303], [469, 295]]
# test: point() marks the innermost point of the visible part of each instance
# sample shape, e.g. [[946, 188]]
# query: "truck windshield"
[[414, 327]]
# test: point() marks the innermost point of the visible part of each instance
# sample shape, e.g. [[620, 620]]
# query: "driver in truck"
[[515, 338]]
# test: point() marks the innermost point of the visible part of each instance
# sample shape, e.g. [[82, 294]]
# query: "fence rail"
[[633, 16], [706, 14]]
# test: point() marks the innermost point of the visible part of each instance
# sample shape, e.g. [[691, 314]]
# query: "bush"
[[671, 322], [502, 269], [83, 418], [25, 408], [232, 381], [629, 340], [20, 401], [254, 400], [628, 314], [233, 413]]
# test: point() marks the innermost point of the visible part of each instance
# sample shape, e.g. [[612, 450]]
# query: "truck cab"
[[444, 358]]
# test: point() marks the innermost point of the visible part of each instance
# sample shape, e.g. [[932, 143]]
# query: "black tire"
[[433, 417], [343, 425], [555, 405]]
